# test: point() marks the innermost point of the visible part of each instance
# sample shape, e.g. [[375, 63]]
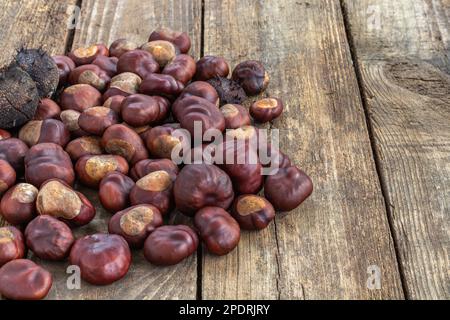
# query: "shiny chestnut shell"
[[252, 76], [18, 205], [12, 245], [114, 191], [252, 212]]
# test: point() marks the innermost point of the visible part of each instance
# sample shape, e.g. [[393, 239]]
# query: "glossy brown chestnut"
[[107, 64], [162, 140], [102, 258], [210, 67], [178, 38], [7, 176], [59, 200], [80, 97], [70, 120], [229, 91], [49, 238], [147, 166], [4, 134], [121, 46], [288, 188], [201, 89], [47, 109], [96, 120], [252, 212], [43, 131], [169, 245], [114, 103], [163, 51], [218, 230], [139, 110], [87, 55], [236, 116], [23, 279], [18, 205], [65, 66], [266, 110], [114, 191], [161, 84], [252, 76], [46, 161], [92, 169], [12, 244], [201, 185], [123, 84], [84, 146], [13, 151], [123, 141], [135, 224], [182, 68], [90, 74], [140, 62]]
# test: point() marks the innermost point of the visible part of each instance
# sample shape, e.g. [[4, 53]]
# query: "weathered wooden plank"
[[402, 49], [324, 248]]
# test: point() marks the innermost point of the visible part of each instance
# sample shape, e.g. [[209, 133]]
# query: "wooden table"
[[367, 90]]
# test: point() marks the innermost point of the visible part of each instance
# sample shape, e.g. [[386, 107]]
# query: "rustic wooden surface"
[[402, 49]]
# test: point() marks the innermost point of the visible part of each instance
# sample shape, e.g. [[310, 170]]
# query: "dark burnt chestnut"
[[287, 188], [70, 120], [252, 212], [161, 84], [107, 64], [59, 200], [140, 110], [90, 74], [210, 67], [266, 110], [96, 120], [65, 66], [161, 141], [13, 151], [121, 46], [169, 245], [182, 68], [229, 91], [202, 185], [7, 176], [163, 51], [49, 238], [135, 224], [4, 134], [201, 89], [42, 131], [114, 103], [123, 141], [18, 205], [80, 97], [92, 169], [46, 161], [47, 109], [114, 191], [178, 38], [23, 279], [12, 245], [123, 84], [146, 166], [252, 76], [102, 258], [87, 55], [139, 62], [236, 116], [218, 230], [84, 146]]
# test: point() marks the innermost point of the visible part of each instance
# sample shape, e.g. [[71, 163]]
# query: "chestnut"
[[80, 97], [70, 120], [135, 224], [252, 212], [161, 141], [140, 62], [90, 74], [84, 146], [49, 238], [155, 188], [252, 76], [178, 38], [123, 84], [114, 191], [123, 141], [13, 151], [182, 68], [107, 64], [287, 188], [161, 84], [87, 55], [47, 109], [114, 103], [46, 161], [163, 51], [266, 110], [42, 131], [65, 66], [201, 185], [210, 67], [236, 116], [18, 205], [169, 245], [96, 120], [12, 245], [146, 166], [218, 230], [57, 199], [139, 110], [229, 91], [23, 279], [245, 133], [121, 46], [102, 258], [7, 176], [92, 169], [201, 89], [4, 134]]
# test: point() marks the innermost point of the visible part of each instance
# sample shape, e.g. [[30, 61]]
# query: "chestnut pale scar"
[[156, 181], [250, 204], [135, 221]]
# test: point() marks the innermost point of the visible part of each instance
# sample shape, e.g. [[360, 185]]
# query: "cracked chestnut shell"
[[12, 245], [210, 67], [178, 38], [201, 185], [13, 151], [218, 229], [252, 76], [146, 166], [266, 110], [169, 245], [92, 169], [23, 279], [42, 131], [252, 212], [236, 116], [96, 120], [229, 91], [139, 62], [18, 205], [182, 68], [7, 176], [135, 223], [102, 258], [201, 89], [114, 191]]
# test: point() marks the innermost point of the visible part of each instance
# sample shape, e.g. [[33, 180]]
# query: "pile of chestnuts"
[[110, 127]]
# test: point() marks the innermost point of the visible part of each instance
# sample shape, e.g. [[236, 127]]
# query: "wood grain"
[[323, 249], [402, 49]]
